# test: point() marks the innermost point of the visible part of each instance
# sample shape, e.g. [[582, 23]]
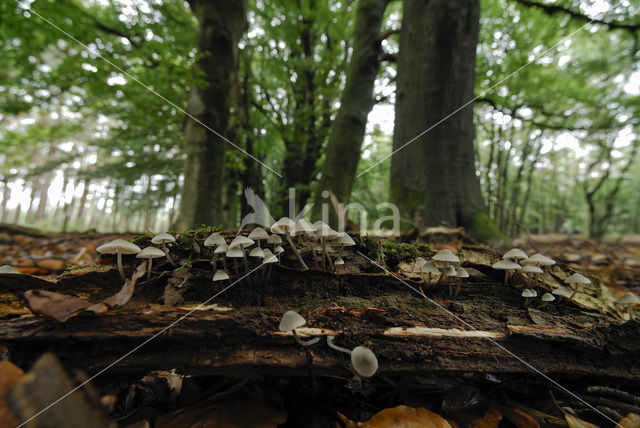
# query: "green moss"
[[201, 233], [484, 227], [402, 249], [142, 241]]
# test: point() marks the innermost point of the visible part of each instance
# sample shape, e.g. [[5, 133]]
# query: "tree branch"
[[551, 9]]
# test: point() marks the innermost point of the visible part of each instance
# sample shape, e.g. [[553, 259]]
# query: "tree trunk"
[[221, 26], [347, 133], [433, 178]]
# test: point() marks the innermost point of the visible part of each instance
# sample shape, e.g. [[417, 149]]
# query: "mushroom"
[[515, 254], [546, 298], [363, 360], [268, 260], [222, 249], [575, 280], [292, 320], [430, 267], [258, 234], [241, 242], [628, 299], [150, 253], [257, 252], [10, 270], [119, 247], [562, 292], [531, 268], [343, 240], [449, 272], [304, 229], [284, 226], [527, 293], [236, 253], [274, 240], [539, 259], [507, 266], [215, 240], [324, 232], [418, 264], [163, 239], [447, 257], [220, 275], [460, 273], [338, 261]]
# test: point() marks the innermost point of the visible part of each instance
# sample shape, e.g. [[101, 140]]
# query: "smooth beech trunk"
[[433, 178], [222, 23], [347, 133]]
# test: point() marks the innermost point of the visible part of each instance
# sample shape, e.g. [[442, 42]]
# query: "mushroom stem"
[[324, 253], [119, 261], [506, 277], [313, 252], [575, 290], [295, 250], [304, 342], [224, 264], [236, 266], [149, 268], [450, 290], [166, 253], [246, 263], [336, 347], [630, 312], [458, 288]]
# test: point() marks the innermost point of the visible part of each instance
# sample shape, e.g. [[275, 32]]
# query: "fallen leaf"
[[9, 375], [575, 422], [518, 417], [401, 417], [630, 421], [62, 307], [491, 419]]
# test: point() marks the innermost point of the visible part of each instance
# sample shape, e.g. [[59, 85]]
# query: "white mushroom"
[[546, 298], [515, 254], [460, 273], [364, 361], [150, 253], [507, 266], [292, 320], [220, 275], [10, 270], [430, 268], [575, 280], [285, 226], [629, 300], [119, 247], [163, 239]]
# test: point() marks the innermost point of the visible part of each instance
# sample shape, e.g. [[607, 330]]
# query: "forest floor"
[[484, 357]]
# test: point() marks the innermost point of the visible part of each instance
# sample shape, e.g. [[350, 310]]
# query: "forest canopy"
[[103, 104]]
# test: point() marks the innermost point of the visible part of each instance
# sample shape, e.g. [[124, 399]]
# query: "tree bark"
[[347, 133], [221, 26], [433, 178]]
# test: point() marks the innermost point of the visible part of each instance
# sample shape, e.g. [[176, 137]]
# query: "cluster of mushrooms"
[[120, 247], [445, 264], [363, 361], [317, 238]]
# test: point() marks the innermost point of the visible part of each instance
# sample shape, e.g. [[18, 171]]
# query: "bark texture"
[[347, 133], [221, 26], [433, 178]]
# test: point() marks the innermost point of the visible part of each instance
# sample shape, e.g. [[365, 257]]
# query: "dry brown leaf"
[[62, 307], [237, 412], [518, 417], [491, 419], [575, 422], [401, 417], [630, 421], [9, 375]]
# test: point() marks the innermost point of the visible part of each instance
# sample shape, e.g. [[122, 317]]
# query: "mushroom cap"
[[515, 253], [506, 265], [282, 226], [214, 239], [461, 272], [577, 278], [303, 227], [548, 297], [338, 261], [258, 234], [269, 257], [221, 249], [235, 252], [429, 267], [241, 241], [291, 320], [446, 256], [539, 259], [530, 268], [562, 291], [220, 275], [150, 253], [343, 240], [274, 239], [527, 292], [449, 271], [364, 361], [6, 269], [325, 231], [419, 263], [257, 252], [628, 298], [278, 249], [163, 238], [118, 245]]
